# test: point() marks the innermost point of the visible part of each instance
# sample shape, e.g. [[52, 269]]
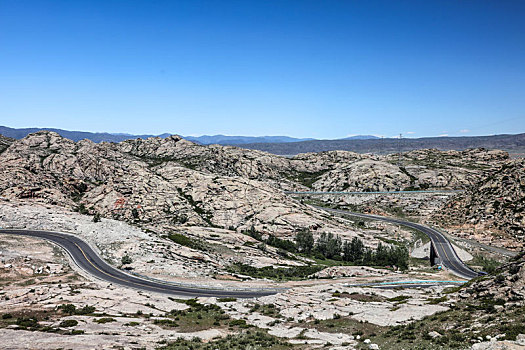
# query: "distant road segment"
[[89, 261], [317, 193]]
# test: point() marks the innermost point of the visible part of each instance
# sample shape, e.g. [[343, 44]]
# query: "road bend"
[[442, 245], [89, 261]]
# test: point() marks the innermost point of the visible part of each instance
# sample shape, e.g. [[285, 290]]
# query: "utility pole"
[[399, 148]]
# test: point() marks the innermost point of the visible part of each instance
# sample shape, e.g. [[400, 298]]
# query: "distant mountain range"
[[119, 137], [514, 144], [235, 140], [284, 145]]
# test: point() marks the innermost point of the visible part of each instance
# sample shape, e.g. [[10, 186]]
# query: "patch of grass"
[[71, 309], [435, 301], [267, 310], [253, 340], [346, 325], [187, 241], [306, 178], [68, 323], [226, 300], [104, 320], [28, 322], [399, 298], [197, 317], [487, 264], [366, 298]]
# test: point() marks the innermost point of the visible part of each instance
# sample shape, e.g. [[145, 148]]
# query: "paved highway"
[[89, 261], [307, 193], [444, 249]]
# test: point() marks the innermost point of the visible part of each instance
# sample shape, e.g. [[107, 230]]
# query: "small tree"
[[126, 260], [353, 251], [304, 241], [333, 248], [96, 218], [68, 308], [329, 245]]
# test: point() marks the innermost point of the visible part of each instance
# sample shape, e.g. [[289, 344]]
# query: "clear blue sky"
[[323, 69]]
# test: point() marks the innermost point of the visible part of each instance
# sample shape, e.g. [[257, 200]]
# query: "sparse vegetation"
[[487, 264], [71, 309], [197, 317], [186, 241], [68, 323], [255, 340], [277, 273], [103, 320]]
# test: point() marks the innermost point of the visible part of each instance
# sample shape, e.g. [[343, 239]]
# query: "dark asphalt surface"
[[90, 262], [444, 249]]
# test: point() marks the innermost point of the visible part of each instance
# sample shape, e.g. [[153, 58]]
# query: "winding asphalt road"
[[85, 258], [444, 249]]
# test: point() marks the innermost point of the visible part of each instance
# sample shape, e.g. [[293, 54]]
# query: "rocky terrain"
[[138, 182], [487, 312], [492, 210], [5, 142], [37, 280], [172, 181], [169, 209], [422, 169]]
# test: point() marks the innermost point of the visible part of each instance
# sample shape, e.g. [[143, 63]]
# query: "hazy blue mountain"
[[119, 137], [285, 145], [361, 137], [235, 140], [514, 144]]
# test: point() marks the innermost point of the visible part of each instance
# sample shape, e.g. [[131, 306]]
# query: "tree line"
[[330, 246]]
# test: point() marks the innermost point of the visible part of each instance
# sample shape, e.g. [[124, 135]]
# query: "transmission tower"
[[399, 149]]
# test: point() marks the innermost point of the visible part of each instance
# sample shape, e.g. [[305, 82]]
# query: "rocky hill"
[[487, 313], [495, 205], [415, 170], [138, 181], [172, 181]]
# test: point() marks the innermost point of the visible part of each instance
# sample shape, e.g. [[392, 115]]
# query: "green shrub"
[[96, 217], [68, 323], [85, 310], [226, 300], [238, 323], [26, 322], [187, 241], [126, 260], [68, 308], [105, 320]]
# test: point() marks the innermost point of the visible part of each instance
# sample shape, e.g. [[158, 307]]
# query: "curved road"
[[89, 261], [444, 249]]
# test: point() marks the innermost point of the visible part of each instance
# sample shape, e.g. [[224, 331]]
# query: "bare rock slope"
[[165, 182], [495, 205], [415, 170], [5, 142], [138, 181]]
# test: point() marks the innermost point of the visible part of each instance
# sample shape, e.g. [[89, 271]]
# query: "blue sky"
[[323, 69]]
